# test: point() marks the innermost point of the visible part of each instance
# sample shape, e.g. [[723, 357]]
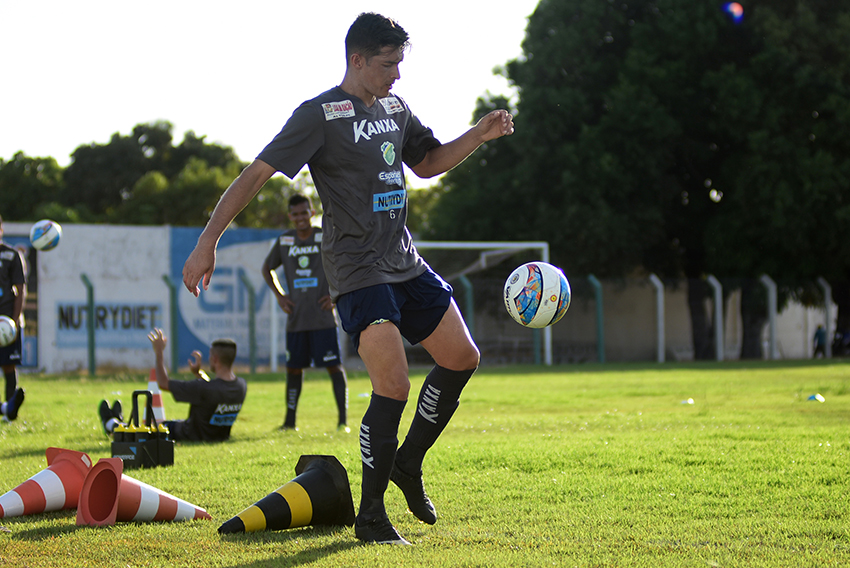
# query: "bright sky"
[[77, 72]]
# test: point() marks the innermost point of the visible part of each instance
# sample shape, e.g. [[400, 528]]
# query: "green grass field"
[[583, 465]]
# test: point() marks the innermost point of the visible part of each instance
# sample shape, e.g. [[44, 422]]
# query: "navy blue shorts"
[[416, 307], [321, 347]]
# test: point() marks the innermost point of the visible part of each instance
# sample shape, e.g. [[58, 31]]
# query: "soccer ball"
[[537, 294], [8, 331], [45, 235]]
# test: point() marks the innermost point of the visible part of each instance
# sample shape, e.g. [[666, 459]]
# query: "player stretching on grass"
[[354, 138]]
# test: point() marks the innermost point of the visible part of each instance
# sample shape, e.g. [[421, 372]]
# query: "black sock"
[[340, 386], [293, 393], [11, 383], [378, 443], [438, 400]]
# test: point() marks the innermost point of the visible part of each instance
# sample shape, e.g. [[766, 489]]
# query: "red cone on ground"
[[108, 496], [52, 489]]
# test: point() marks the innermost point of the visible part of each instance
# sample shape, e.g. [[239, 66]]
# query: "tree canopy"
[[141, 178], [664, 136]]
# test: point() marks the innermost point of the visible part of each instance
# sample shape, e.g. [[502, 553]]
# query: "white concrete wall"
[[126, 264]]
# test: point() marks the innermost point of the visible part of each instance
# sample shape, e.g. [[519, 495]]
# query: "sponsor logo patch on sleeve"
[[340, 109]]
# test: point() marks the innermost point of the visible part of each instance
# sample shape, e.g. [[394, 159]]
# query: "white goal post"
[[497, 247]]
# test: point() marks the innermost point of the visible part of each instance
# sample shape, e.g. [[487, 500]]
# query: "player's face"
[[300, 216], [381, 71]]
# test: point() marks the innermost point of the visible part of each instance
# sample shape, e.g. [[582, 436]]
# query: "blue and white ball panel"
[[45, 234], [537, 294]]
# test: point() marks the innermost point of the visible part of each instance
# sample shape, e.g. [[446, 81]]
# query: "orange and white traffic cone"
[[319, 495], [52, 489], [108, 496], [156, 397]]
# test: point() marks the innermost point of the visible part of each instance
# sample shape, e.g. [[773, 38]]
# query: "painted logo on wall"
[[116, 326], [223, 309]]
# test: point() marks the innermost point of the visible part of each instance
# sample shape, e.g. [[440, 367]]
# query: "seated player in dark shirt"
[[214, 403]]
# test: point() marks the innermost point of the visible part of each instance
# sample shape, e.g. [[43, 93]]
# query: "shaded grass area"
[[592, 465]]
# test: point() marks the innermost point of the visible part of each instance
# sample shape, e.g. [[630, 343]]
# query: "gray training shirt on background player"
[[305, 279]]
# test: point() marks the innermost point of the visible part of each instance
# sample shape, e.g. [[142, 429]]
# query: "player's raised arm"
[[441, 159], [200, 265]]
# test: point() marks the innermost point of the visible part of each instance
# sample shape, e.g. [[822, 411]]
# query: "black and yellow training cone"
[[319, 495]]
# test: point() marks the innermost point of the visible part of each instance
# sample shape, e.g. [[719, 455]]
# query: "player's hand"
[[286, 304], [158, 340], [495, 124], [195, 362], [326, 304], [199, 268]]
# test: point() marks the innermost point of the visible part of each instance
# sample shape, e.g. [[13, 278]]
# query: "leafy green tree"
[[194, 146], [100, 177], [29, 185], [662, 136], [271, 206], [483, 198], [148, 203], [175, 182], [792, 170]]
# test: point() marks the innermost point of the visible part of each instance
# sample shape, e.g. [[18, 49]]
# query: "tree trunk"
[[701, 326], [753, 318], [841, 297]]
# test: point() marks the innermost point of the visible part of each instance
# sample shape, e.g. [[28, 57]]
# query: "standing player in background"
[[13, 294], [354, 138], [311, 326]]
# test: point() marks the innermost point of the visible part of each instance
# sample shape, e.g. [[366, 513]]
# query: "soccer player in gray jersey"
[[354, 139], [311, 326]]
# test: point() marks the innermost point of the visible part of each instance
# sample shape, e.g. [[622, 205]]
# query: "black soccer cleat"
[[105, 415], [14, 405], [414, 492], [116, 410], [377, 530]]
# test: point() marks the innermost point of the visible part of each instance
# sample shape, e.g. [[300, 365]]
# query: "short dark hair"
[[225, 350], [298, 199], [372, 32]]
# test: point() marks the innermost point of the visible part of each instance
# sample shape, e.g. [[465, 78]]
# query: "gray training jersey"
[[355, 155], [305, 279]]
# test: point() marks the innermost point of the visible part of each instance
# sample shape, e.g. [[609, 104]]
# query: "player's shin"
[[294, 382], [438, 400], [340, 388], [378, 443], [11, 382]]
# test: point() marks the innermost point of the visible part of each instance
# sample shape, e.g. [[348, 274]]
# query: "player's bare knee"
[[465, 359], [397, 389], [473, 358]]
